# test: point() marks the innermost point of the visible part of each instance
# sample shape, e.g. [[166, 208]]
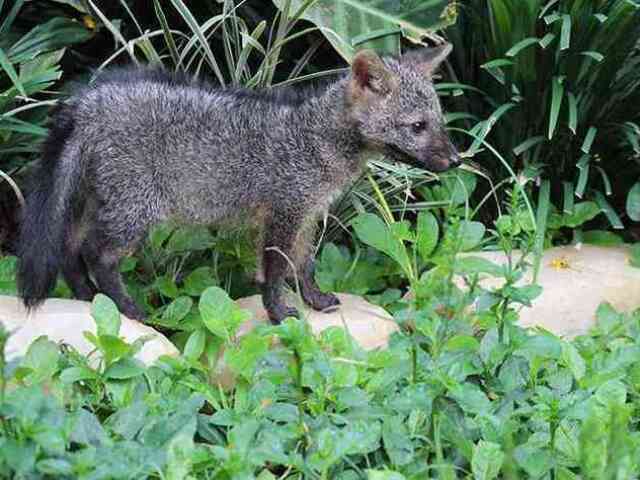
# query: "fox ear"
[[370, 73], [429, 59]]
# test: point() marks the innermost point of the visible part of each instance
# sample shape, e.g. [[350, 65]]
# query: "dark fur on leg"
[[281, 231], [311, 294]]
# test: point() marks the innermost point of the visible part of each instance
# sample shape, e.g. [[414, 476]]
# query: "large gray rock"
[[65, 321], [369, 325], [575, 280]]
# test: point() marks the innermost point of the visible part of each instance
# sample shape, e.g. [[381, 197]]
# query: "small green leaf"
[[470, 234], [597, 56], [6, 65], [608, 210], [527, 144], [427, 233], [177, 310], [588, 139], [557, 94], [195, 344], [582, 212], [76, 374], [124, 368], [199, 280], [633, 202], [384, 475], [106, 315], [573, 112], [565, 32], [583, 176], [572, 359], [521, 45]]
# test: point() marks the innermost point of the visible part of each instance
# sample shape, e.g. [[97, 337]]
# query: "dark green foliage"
[[553, 87]]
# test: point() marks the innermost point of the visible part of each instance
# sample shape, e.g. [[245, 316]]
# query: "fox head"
[[395, 106]]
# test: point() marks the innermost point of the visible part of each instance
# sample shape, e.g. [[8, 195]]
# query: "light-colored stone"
[[65, 321], [370, 325], [575, 280]]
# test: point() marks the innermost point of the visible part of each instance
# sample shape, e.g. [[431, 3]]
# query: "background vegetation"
[[542, 97]]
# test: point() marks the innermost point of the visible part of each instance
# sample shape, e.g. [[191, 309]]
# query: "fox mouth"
[[400, 155]]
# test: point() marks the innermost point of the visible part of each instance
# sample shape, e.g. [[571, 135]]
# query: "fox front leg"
[[281, 231]]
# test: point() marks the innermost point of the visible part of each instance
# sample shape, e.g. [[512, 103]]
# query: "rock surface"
[[575, 280], [370, 325], [65, 321]]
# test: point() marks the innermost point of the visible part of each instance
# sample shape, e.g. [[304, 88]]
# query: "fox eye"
[[419, 127]]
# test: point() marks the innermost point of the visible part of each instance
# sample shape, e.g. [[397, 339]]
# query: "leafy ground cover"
[[460, 393]]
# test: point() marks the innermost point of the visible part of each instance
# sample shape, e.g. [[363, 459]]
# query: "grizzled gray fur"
[[140, 147]]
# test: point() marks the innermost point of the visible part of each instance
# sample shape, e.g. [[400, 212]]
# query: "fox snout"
[[442, 156]]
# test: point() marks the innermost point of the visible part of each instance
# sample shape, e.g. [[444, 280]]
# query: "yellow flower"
[[89, 22]]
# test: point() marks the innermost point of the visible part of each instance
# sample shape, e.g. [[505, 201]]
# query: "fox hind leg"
[[74, 269], [103, 259]]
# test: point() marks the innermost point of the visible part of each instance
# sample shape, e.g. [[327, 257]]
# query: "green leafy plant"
[[30, 64], [551, 87], [348, 24], [460, 391]]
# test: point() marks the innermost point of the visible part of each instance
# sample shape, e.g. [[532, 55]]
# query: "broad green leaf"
[[486, 461], [469, 234], [186, 239], [374, 232], [347, 22], [397, 441], [106, 315], [180, 452], [471, 265], [471, 398], [582, 212], [199, 280], [220, 314], [42, 358]]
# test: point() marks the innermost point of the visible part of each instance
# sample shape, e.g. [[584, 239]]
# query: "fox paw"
[[278, 314], [323, 301]]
